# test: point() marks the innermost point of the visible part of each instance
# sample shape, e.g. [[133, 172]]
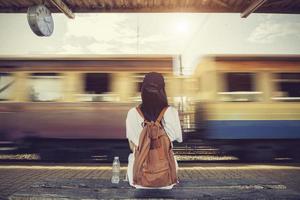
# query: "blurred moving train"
[[61, 104], [247, 105], [251, 104]]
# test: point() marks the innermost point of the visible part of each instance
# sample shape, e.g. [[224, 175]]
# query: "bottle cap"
[[116, 157]]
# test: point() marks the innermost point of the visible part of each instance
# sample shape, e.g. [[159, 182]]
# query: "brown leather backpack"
[[154, 163]]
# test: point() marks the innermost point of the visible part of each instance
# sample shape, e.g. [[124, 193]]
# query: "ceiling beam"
[[195, 6], [63, 8], [103, 9], [219, 2], [252, 7]]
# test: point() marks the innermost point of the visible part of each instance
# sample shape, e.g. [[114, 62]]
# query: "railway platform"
[[197, 180], [186, 189]]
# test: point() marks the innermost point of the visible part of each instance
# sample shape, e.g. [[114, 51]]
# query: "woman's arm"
[[172, 124], [132, 146], [131, 129]]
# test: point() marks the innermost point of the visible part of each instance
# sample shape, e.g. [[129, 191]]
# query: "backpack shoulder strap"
[[161, 114], [140, 112]]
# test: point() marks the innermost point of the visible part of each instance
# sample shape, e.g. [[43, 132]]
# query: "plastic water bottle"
[[115, 171]]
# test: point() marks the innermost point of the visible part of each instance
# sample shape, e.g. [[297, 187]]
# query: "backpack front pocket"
[[158, 178]]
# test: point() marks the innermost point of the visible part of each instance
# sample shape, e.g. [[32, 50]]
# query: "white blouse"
[[171, 124]]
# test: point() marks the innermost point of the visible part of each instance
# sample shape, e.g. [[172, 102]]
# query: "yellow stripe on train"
[[252, 111]]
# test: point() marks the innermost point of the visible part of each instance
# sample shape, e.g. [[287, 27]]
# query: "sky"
[[191, 35]]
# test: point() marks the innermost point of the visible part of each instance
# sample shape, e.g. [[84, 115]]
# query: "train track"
[[200, 151], [189, 151], [185, 152]]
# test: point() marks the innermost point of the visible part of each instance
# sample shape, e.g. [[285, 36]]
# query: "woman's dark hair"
[[154, 97]]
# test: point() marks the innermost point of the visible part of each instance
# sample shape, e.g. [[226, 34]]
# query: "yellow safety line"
[[225, 167], [252, 167]]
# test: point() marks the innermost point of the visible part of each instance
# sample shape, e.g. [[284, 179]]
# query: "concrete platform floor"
[[15, 177]]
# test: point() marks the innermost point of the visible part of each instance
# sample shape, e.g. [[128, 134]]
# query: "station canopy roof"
[[206, 6]]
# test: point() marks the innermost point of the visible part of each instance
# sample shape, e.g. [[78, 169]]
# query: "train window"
[[97, 87], [239, 87], [6, 82], [288, 85], [45, 87], [239, 82], [97, 83]]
